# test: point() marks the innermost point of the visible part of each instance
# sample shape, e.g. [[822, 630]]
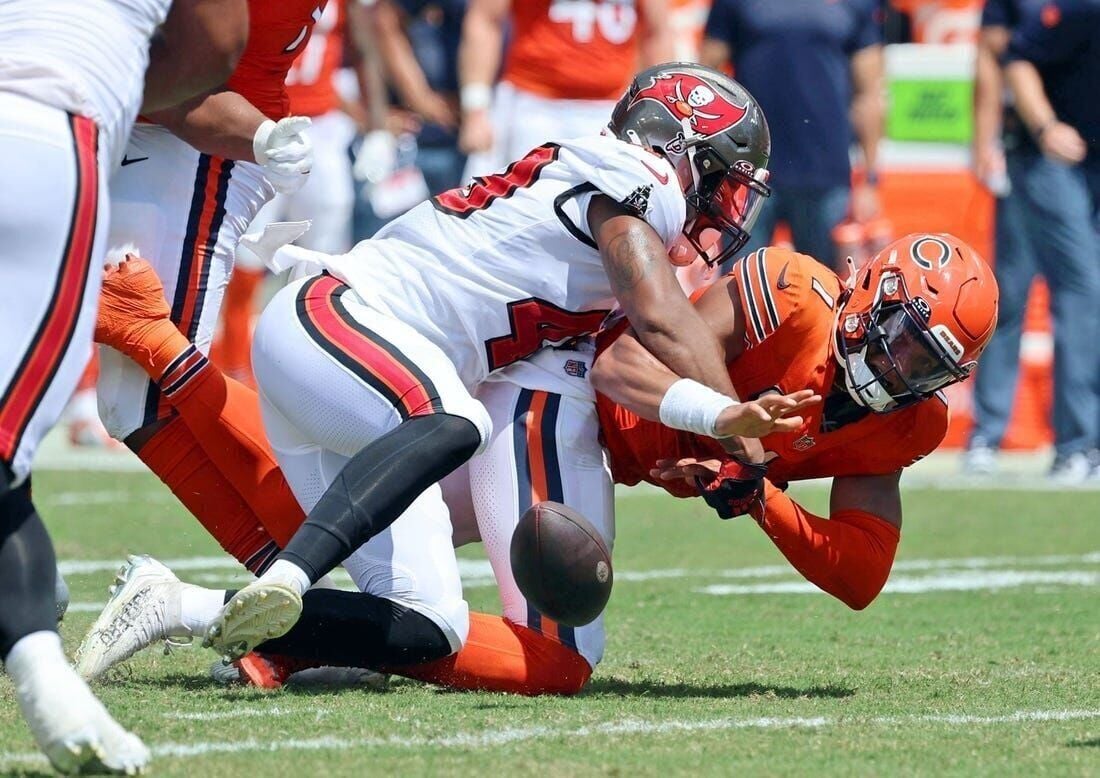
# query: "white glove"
[[376, 158], [259, 249], [285, 152]]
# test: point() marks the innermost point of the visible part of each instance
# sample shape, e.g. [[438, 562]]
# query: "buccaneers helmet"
[[714, 134], [914, 320]]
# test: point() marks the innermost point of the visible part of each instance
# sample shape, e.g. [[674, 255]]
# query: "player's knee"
[[451, 616], [458, 420]]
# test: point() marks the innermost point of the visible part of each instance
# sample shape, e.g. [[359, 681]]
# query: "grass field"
[[984, 658]]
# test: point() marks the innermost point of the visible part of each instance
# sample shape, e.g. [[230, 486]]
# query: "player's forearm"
[[1031, 98], [398, 59], [629, 375], [479, 51], [848, 555], [657, 42], [222, 124], [363, 24], [217, 28]]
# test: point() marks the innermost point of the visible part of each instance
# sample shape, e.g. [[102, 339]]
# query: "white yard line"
[[244, 713], [498, 737], [944, 581]]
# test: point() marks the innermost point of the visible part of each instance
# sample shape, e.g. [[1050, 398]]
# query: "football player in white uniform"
[[366, 370], [71, 83]]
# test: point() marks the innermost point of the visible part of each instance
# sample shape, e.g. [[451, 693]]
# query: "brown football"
[[561, 564]]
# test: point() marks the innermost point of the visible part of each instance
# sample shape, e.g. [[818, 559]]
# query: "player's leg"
[[366, 386], [53, 225], [184, 211], [544, 447]]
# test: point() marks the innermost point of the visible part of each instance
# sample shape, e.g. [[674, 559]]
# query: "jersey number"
[[615, 19], [484, 190], [536, 323]]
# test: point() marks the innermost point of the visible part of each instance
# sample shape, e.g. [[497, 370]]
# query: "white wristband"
[[475, 97], [259, 141], [692, 407]]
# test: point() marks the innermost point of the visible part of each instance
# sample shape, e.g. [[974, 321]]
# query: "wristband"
[[259, 141], [475, 97], [692, 407]]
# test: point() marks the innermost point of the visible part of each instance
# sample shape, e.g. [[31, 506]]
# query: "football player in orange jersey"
[[192, 179], [566, 64], [913, 321]]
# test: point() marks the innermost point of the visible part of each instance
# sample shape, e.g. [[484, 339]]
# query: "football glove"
[[376, 157], [735, 490], [285, 152]]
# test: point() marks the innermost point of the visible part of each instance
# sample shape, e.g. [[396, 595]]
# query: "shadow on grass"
[[1093, 743], [622, 688]]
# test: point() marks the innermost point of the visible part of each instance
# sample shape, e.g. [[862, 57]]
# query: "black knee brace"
[[28, 570], [350, 629], [377, 485]]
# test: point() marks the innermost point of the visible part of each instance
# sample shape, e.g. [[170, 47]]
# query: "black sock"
[[28, 569], [351, 629], [377, 485]]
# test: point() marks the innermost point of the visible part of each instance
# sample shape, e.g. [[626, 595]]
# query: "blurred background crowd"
[[970, 117]]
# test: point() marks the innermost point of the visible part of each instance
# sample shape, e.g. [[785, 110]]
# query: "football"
[[561, 564]]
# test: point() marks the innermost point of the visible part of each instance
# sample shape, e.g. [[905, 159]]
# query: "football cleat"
[[73, 729], [261, 611], [273, 671], [143, 609]]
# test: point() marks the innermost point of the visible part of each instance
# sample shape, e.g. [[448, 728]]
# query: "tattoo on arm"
[[627, 262]]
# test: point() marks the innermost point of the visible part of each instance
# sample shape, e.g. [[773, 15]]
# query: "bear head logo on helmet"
[[714, 134], [913, 320]]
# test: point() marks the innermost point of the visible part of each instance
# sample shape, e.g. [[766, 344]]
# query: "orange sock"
[[500, 656], [224, 417], [234, 347], [175, 455]]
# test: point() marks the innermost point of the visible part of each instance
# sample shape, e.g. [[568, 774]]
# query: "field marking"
[[630, 726], [242, 713], [945, 581]]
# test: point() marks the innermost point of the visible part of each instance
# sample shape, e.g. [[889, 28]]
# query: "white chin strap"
[[862, 385]]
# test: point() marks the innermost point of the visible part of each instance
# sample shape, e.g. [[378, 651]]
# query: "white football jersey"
[[496, 270], [87, 57]]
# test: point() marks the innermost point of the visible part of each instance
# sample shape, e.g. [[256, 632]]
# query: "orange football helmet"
[[914, 320]]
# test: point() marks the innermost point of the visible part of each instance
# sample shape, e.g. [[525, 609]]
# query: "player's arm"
[[478, 61], [849, 554], [657, 43], [196, 49], [670, 341], [224, 124], [402, 69]]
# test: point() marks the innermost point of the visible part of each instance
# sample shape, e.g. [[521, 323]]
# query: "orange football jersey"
[[789, 305], [277, 34], [309, 84], [943, 21], [573, 49]]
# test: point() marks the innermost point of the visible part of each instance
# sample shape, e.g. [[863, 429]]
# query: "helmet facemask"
[[725, 198], [891, 359]]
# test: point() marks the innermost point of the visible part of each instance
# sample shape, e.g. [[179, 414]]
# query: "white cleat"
[[260, 611], [74, 730], [144, 608]]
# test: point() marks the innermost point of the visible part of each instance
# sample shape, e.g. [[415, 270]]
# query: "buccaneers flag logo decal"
[[694, 102]]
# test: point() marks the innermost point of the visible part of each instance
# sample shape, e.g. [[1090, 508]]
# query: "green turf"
[[690, 680]]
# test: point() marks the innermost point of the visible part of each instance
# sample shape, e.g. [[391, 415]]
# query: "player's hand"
[[1063, 143], [376, 158], [765, 415], [435, 108], [285, 152], [990, 168], [476, 132], [732, 487]]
